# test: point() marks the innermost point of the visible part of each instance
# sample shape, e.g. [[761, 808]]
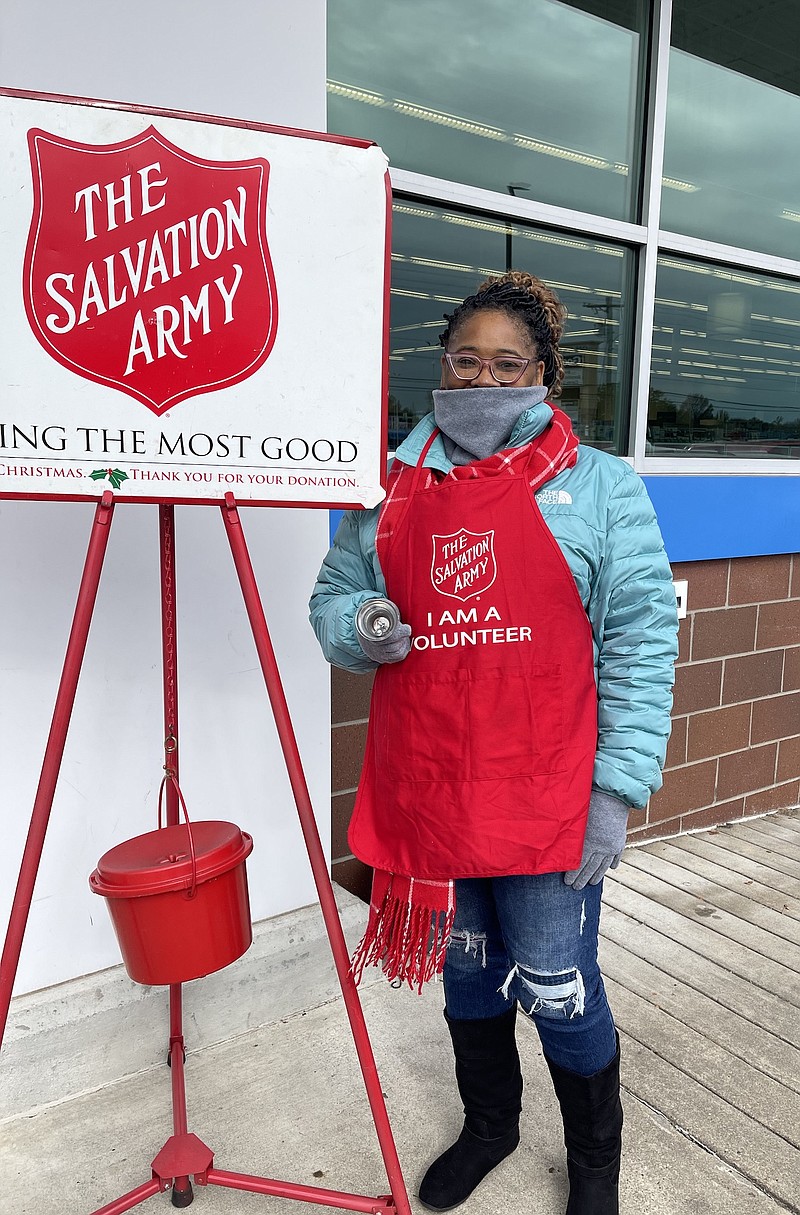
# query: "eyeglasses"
[[505, 368]]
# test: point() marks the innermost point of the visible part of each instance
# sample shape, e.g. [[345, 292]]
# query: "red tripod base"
[[181, 1157], [185, 1156]]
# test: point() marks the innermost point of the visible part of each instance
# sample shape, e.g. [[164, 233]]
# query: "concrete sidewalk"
[[701, 950]]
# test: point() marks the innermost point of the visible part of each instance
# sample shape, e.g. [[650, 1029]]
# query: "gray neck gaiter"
[[477, 422]]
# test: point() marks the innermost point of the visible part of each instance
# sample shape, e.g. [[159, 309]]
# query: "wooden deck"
[[701, 950]]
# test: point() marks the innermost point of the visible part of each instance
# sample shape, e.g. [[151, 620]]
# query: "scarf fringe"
[[408, 941]]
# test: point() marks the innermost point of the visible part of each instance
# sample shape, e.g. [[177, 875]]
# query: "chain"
[[170, 700]]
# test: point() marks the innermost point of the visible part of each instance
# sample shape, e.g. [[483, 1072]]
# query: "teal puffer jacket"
[[605, 525]]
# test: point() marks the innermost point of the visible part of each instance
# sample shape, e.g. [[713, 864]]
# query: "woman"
[[520, 709]]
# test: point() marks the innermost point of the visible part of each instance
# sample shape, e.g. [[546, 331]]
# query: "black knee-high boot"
[[592, 1114], [490, 1083]]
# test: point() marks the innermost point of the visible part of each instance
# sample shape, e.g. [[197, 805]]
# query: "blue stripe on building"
[[703, 518], [708, 518]]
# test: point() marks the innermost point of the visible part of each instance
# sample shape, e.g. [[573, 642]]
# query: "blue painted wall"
[[703, 518], [336, 516]]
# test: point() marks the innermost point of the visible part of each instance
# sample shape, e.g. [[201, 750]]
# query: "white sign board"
[[189, 307]]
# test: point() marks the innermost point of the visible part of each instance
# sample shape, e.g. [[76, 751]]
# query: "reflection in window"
[[732, 120], [440, 256], [726, 362], [507, 96]]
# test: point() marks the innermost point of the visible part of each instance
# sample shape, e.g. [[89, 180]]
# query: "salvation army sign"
[[103, 262], [189, 306]]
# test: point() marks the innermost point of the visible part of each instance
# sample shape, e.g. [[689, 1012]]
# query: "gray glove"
[[391, 648], [605, 839]]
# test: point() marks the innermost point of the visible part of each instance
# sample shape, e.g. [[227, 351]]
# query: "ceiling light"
[[675, 183], [349, 91], [528, 143]]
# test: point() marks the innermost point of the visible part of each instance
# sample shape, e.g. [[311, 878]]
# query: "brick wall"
[[349, 710], [735, 745]]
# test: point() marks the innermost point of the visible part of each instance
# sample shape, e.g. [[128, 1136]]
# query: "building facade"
[[639, 158]]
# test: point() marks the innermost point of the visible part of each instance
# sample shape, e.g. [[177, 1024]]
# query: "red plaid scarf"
[[410, 919]]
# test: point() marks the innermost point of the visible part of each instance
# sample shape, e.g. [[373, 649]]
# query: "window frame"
[[647, 240]]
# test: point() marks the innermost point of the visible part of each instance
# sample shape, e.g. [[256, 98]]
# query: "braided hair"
[[529, 302]]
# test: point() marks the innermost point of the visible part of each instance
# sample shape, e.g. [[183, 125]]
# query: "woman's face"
[[490, 335]]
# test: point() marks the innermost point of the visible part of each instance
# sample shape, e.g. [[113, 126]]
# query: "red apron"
[[481, 743]]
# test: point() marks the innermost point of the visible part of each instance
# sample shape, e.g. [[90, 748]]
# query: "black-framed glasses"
[[505, 369]]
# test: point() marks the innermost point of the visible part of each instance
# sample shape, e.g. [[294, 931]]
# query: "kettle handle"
[[170, 776]]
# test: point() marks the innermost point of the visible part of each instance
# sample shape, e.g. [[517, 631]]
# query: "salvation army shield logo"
[[147, 268], [463, 564]]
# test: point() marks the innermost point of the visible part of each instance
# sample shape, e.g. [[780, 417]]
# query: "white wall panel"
[[261, 61]]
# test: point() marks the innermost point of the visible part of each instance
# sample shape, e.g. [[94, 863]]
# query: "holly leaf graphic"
[[115, 475]]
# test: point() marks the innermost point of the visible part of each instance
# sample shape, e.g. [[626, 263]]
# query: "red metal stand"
[[176, 1056], [184, 1156]]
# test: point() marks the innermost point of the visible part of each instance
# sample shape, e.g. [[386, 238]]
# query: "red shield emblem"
[[463, 564], [147, 268]]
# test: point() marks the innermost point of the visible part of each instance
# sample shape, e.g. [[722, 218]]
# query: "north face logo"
[[554, 497], [463, 564]]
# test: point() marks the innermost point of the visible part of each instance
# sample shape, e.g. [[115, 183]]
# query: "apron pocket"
[[473, 726], [516, 722], [425, 736]]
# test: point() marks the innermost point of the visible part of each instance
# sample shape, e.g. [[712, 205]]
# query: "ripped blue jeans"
[[533, 939]]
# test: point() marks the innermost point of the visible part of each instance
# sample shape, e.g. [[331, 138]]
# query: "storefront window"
[[732, 120], [440, 256], [726, 362], [535, 100]]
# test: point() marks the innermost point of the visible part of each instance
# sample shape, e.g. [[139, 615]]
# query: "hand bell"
[[376, 618]]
